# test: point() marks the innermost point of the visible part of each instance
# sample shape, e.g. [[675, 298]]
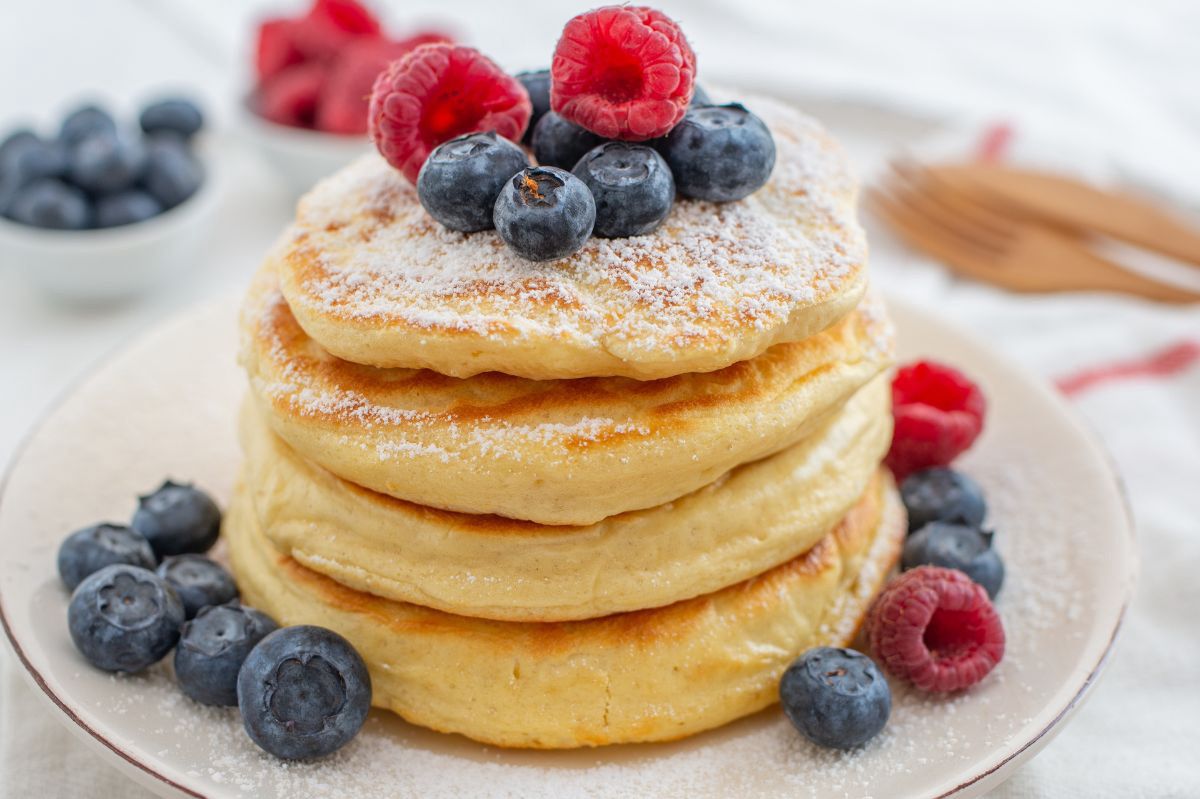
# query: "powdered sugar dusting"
[[364, 248]]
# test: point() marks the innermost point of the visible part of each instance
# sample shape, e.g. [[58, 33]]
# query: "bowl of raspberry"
[[102, 209], [306, 113]]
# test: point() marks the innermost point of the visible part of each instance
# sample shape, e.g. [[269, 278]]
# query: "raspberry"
[[276, 48], [438, 92], [290, 98], [320, 35], [623, 72], [343, 106], [935, 628], [939, 414], [347, 16]]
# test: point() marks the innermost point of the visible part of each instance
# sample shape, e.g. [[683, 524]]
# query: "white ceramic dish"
[[301, 157], [114, 264], [166, 407]]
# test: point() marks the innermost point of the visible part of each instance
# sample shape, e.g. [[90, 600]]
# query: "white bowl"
[[113, 264], [300, 156]]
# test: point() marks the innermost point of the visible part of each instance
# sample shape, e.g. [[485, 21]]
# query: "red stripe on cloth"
[[1172, 360], [995, 142]]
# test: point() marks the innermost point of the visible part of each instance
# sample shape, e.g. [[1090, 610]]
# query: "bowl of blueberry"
[[306, 113], [97, 210]]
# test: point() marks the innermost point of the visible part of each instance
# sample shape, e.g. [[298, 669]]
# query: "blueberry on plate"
[[699, 97], [177, 518], [50, 203], [106, 164], [85, 123], [537, 83], [632, 187], [461, 178], [836, 698], [956, 546], [557, 142], [124, 618], [719, 153], [89, 550], [544, 213], [198, 580], [213, 647], [126, 208], [304, 692], [942, 494], [172, 115], [172, 173]]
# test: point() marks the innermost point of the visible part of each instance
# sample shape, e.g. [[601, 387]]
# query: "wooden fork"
[[982, 243]]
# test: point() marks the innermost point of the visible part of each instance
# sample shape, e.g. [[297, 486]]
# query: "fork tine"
[[949, 211], [997, 216], [964, 202], [964, 255]]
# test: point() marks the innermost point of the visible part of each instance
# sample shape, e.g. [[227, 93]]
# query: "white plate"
[[166, 407]]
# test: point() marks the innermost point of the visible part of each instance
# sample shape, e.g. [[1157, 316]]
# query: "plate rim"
[[1013, 758]]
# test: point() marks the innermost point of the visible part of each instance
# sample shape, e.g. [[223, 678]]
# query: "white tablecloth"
[[1110, 85]]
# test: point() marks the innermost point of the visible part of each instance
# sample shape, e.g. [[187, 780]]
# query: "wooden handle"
[[1069, 203]]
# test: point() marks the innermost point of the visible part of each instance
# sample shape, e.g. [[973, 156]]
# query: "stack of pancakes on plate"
[[598, 500]]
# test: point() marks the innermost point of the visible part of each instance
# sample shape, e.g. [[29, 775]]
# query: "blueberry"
[[85, 123], [557, 142], [124, 618], [719, 153], [105, 164], [14, 141], [172, 115], [9, 188], [126, 208], [213, 647], [198, 580], [537, 83], [32, 159], [304, 692], [545, 213], [50, 203], [632, 187], [835, 697], [461, 179], [172, 173], [89, 550], [177, 518], [699, 97], [956, 546], [942, 494]]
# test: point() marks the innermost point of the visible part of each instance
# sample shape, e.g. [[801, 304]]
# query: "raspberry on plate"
[[438, 92], [938, 413], [623, 72], [936, 628]]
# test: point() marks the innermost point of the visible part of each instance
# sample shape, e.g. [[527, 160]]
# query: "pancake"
[[750, 520], [376, 281], [643, 676], [548, 451]]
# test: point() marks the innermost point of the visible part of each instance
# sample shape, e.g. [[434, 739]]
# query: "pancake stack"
[[600, 500]]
